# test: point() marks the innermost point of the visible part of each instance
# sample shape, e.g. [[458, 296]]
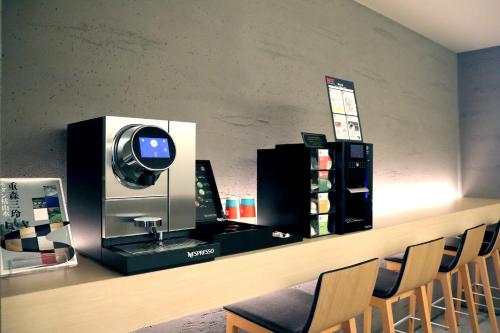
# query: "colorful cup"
[[323, 203], [325, 161], [323, 225], [232, 208], [324, 184], [247, 207]]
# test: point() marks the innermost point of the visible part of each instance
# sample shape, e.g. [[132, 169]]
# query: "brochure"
[[336, 100], [34, 226], [354, 128], [340, 126], [349, 103]]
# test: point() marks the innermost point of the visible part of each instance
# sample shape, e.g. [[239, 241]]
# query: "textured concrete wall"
[[479, 91], [249, 73], [1, 88]]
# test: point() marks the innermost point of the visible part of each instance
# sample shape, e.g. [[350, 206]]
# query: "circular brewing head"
[[140, 154]]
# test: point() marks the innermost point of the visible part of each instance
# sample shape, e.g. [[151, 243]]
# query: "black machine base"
[[150, 256], [236, 237]]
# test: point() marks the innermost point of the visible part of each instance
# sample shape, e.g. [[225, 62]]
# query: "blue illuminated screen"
[[154, 147]]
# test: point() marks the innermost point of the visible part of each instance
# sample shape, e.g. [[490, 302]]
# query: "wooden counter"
[[92, 298]]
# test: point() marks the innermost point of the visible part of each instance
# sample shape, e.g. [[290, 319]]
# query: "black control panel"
[[357, 165]]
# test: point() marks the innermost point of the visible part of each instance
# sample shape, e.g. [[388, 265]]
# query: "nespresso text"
[[192, 254]]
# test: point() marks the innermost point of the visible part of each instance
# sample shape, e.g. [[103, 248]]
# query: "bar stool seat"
[[489, 249], [491, 241], [452, 244], [490, 234], [387, 283], [419, 266], [469, 244], [268, 310], [447, 264], [339, 296]]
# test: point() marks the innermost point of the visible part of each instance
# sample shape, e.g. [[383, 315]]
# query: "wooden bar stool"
[[489, 249], [339, 297], [450, 264], [419, 266]]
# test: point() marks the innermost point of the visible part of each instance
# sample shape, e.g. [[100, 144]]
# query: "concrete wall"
[[249, 73], [1, 90], [479, 91]]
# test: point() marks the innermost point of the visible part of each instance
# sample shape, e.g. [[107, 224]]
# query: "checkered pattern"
[[34, 239]]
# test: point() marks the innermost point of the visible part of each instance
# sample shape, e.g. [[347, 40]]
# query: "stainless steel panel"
[[112, 186], [182, 176], [119, 214]]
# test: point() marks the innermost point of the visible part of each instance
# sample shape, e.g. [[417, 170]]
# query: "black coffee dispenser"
[[354, 195], [316, 191]]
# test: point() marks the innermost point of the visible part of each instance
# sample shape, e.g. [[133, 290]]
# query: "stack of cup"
[[243, 210], [232, 208], [247, 207]]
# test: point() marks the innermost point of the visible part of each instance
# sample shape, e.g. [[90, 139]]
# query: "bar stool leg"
[[411, 321], [235, 322], [230, 325], [349, 326], [464, 270], [449, 313], [367, 320], [475, 288], [430, 293], [423, 308], [496, 262], [458, 305], [231, 329], [387, 317], [483, 270]]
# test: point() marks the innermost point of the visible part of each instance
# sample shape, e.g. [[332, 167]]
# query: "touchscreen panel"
[[154, 147]]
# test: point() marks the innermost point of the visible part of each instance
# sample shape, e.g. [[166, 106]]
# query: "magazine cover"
[[34, 226]]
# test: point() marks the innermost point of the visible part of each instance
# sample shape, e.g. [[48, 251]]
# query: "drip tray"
[[235, 237], [154, 255], [160, 246]]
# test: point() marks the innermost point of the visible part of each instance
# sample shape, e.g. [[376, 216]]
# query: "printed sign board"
[[344, 110]]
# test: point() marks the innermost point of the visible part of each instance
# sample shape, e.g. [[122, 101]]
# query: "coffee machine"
[[130, 193], [354, 183], [316, 191]]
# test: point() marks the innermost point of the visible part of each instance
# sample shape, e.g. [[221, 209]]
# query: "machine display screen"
[[154, 147], [357, 151]]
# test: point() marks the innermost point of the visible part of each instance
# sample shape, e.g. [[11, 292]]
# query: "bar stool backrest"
[[341, 295], [420, 264], [471, 244], [495, 240]]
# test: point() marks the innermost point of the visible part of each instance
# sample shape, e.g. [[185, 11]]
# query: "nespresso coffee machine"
[[130, 193], [315, 191]]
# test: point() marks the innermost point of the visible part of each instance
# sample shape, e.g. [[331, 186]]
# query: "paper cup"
[[247, 207], [232, 208]]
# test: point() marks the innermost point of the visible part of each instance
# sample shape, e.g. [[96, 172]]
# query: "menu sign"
[[344, 109]]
